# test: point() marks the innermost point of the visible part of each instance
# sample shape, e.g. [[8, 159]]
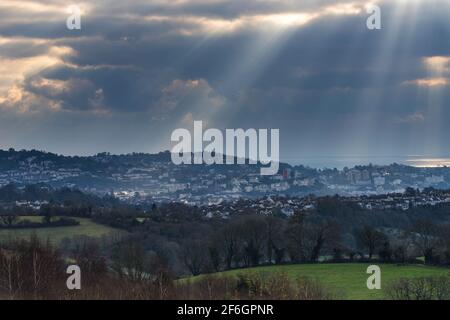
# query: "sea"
[[340, 162]]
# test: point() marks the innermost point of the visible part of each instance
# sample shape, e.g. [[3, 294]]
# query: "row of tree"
[[262, 240]]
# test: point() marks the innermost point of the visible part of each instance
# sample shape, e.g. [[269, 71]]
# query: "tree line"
[[255, 240]]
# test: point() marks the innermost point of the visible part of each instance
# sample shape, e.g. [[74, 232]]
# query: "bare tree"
[[10, 273], [253, 239], [130, 261], [275, 229], [227, 240], [88, 258], [8, 218], [320, 236], [444, 236], [370, 239], [29, 269], [194, 256], [296, 237], [425, 237], [215, 258]]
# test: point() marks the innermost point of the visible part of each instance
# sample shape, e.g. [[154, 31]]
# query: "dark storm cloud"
[[22, 49], [114, 88], [140, 45]]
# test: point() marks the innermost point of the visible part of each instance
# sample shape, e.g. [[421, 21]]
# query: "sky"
[[137, 70]]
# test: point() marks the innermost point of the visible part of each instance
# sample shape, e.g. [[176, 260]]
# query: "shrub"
[[423, 288]]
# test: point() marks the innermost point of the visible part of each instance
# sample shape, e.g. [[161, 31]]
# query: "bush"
[[28, 269], [258, 286], [423, 288]]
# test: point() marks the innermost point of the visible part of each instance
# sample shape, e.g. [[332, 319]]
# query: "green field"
[[348, 280], [56, 234]]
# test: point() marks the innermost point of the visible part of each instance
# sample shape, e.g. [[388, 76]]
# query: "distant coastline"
[[314, 162], [340, 162]]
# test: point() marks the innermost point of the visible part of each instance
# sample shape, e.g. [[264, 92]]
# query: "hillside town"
[[287, 206], [140, 178]]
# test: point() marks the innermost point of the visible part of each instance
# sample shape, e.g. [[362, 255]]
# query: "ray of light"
[[397, 36]]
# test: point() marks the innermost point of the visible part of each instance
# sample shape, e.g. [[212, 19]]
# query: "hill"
[[346, 280]]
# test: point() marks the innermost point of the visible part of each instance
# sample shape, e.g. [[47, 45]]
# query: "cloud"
[[411, 118], [71, 94], [189, 100], [437, 62], [195, 25], [429, 82], [22, 58], [310, 68], [190, 91], [19, 101]]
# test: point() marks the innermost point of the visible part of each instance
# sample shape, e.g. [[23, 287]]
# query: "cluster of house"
[[287, 206], [35, 205], [401, 201], [266, 205], [161, 181]]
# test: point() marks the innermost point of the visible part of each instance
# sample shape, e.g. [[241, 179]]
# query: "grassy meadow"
[[56, 234], [346, 280]]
